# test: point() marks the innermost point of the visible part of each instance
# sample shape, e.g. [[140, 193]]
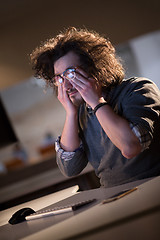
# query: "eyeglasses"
[[69, 73]]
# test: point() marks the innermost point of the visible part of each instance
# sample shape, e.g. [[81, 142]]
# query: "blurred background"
[[32, 113]]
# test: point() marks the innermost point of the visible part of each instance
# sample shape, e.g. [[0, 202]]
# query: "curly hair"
[[97, 56]]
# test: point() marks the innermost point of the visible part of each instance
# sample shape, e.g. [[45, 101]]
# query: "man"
[[111, 122]]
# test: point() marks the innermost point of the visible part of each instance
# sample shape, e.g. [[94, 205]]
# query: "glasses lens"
[[58, 80], [70, 74]]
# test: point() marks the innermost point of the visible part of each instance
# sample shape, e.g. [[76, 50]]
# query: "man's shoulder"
[[138, 80], [132, 83]]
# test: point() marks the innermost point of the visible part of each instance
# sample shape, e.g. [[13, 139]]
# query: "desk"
[[40, 184], [136, 216], [8, 231]]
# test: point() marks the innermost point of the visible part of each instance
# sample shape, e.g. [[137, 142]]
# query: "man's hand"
[[65, 100], [88, 88]]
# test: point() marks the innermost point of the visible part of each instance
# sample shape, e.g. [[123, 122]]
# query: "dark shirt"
[[138, 101]]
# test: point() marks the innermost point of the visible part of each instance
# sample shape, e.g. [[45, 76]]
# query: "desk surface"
[[39, 203], [126, 216]]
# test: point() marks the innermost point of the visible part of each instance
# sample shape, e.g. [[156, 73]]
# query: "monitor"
[[7, 133]]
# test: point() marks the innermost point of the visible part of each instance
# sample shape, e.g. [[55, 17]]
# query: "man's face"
[[70, 60]]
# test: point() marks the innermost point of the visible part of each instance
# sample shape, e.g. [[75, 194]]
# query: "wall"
[[147, 55]]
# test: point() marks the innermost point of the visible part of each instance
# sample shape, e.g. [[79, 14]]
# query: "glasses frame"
[[73, 69]]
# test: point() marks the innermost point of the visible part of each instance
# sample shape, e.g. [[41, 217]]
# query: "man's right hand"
[[65, 101], [69, 138]]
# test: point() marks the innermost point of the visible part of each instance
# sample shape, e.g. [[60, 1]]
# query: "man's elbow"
[[71, 173], [131, 150]]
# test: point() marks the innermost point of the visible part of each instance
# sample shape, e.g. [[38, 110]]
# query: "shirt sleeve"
[[64, 155], [143, 136], [141, 108], [70, 163]]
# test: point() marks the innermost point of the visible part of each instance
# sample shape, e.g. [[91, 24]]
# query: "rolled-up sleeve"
[[70, 163], [141, 108], [143, 136]]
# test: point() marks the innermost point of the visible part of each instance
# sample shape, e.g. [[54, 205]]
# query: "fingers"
[[60, 92], [81, 80], [81, 72], [62, 95]]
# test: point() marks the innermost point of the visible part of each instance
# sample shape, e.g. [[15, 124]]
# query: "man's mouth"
[[72, 91]]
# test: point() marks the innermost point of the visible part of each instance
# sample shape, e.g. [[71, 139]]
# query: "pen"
[[48, 213], [60, 210], [119, 195]]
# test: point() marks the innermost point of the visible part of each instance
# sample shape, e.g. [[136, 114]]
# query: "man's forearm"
[[119, 132], [70, 139]]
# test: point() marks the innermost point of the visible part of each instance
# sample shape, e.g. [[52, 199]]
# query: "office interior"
[[33, 111]]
